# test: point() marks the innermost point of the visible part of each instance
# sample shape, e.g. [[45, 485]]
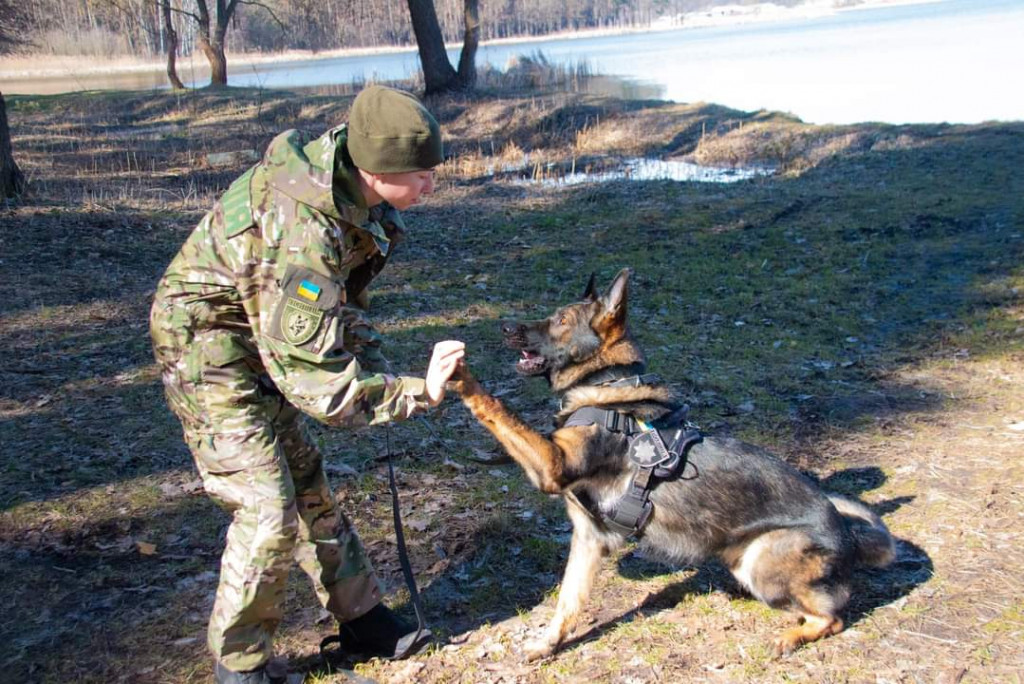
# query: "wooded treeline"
[[137, 28]]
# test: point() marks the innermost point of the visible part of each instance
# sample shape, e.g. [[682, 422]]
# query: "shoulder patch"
[[307, 304], [299, 321], [237, 204], [306, 285]]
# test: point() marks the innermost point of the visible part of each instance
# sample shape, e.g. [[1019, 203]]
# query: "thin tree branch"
[[262, 6], [187, 14], [204, 12], [131, 15]]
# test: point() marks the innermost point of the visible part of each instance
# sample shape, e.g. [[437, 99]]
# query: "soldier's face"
[[402, 190]]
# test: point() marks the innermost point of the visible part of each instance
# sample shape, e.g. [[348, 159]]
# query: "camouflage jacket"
[[272, 274]]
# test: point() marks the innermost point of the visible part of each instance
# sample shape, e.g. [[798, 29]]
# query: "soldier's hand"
[[443, 362]]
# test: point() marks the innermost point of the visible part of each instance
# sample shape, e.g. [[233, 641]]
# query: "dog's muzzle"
[[531, 362]]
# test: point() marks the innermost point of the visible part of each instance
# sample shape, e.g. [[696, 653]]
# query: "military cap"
[[390, 131]]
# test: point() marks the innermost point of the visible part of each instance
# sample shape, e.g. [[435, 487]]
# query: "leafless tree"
[[105, 28], [470, 42], [438, 74], [12, 181], [170, 45], [212, 28], [12, 24]]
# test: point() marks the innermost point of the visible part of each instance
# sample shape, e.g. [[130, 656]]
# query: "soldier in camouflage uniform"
[[260, 318]]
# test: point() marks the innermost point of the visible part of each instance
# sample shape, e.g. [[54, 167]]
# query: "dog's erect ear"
[[615, 298], [591, 292]]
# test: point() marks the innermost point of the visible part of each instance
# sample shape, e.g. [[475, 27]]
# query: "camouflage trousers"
[[255, 460]]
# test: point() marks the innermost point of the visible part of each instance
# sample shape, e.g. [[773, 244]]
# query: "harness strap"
[[633, 511], [655, 459], [605, 377], [635, 381], [613, 421]]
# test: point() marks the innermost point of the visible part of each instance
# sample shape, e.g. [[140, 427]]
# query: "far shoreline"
[[21, 68]]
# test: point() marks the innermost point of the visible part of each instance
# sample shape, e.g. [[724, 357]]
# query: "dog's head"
[[576, 339]]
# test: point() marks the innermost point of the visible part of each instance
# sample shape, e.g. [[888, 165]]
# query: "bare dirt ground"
[[859, 312]]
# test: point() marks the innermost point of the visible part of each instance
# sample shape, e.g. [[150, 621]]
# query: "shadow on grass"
[[89, 607], [151, 604], [154, 609], [871, 589]]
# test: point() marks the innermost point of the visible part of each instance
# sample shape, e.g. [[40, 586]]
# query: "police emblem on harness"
[[648, 449], [644, 453], [300, 321]]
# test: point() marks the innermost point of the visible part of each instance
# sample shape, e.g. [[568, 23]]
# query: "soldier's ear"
[[591, 292], [614, 299]]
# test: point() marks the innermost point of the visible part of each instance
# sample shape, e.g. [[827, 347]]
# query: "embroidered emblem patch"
[[308, 291], [645, 453], [300, 321], [647, 449]]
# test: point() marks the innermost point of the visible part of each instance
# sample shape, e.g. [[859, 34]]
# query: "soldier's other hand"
[[443, 363]]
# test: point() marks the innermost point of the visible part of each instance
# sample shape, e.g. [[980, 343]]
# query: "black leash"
[[411, 642], [403, 650]]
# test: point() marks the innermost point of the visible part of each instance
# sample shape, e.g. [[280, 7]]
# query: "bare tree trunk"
[[171, 40], [438, 74], [470, 42], [211, 38], [12, 181], [218, 62]]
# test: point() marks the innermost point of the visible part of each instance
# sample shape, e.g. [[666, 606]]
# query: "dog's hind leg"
[[817, 595], [812, 628], [786, 570], [585, 556]]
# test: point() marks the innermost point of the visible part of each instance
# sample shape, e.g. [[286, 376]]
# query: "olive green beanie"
[[390, 131]]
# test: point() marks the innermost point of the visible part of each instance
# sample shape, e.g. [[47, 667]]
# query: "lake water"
[[957, 61]]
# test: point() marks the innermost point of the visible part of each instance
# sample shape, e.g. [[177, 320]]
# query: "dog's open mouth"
[[531, 363]]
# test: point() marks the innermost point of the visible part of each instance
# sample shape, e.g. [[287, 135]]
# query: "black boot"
[[223, 675], [380, 633]]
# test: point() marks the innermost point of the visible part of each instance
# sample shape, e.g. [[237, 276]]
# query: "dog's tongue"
[[529, 361]]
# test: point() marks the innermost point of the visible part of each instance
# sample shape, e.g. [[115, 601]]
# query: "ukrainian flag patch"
[[308, 290]]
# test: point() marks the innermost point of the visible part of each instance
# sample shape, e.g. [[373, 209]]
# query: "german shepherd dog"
[[784, 540]]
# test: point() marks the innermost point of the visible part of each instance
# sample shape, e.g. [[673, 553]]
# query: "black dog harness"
[[660, 454]]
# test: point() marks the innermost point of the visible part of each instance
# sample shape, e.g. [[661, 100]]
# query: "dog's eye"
[[563, 320]]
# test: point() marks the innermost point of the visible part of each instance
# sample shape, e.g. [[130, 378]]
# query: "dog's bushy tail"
[[875, 546]]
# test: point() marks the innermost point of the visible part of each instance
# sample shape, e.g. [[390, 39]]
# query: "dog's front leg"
[[541, 458], [585, 556]]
